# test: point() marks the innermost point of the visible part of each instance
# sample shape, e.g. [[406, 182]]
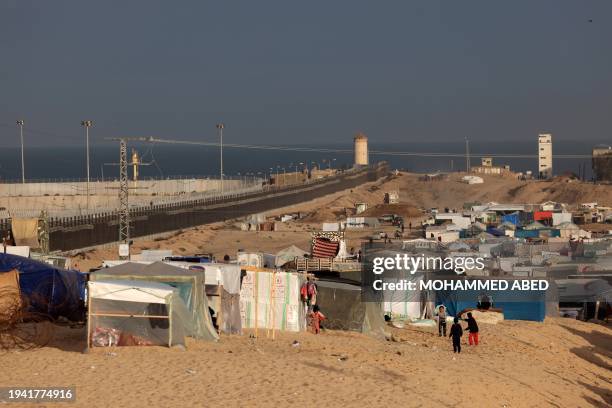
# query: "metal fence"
[[101, 227]]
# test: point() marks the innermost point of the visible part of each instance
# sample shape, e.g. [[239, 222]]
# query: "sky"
[[307, 72]]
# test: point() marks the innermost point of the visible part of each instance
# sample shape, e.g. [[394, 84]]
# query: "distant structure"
[[545, 164], [361, 150], [135, 163], [487, 167], [602, 163]]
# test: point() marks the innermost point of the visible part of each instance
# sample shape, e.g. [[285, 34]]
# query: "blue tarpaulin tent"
[[511, 218], [49, 290], [516, 305]]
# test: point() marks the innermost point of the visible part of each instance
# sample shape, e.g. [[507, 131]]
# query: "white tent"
[[129, 313]]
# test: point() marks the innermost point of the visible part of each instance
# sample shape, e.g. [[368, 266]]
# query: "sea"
[[68, 163]]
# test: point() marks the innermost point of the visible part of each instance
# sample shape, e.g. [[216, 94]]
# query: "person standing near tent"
[[473, 329], [316, 317], [441, 320], [455, 333]]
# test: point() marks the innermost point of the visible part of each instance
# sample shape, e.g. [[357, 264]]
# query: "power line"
[[350, 151]]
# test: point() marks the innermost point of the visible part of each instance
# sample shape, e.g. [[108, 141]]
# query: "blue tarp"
[[49, 290], [496, 232], [526, 233], [511, 218], [516, 305]]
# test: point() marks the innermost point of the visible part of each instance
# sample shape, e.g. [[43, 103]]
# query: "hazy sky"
[[306, 71]]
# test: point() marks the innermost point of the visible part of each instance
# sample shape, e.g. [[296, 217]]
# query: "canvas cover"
[[190, 285], [25, 231], [136, 313], [272, 300], [49, 290], [230, 317], [341, 303], [288, 255], [10, 296]]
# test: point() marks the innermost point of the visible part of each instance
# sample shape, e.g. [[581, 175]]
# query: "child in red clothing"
[[316, 317]]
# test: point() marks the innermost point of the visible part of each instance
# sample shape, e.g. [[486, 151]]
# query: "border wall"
[[69, 233]]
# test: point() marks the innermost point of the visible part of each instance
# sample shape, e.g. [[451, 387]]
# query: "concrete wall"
[[71, 198], [85, 231], [109, 188]]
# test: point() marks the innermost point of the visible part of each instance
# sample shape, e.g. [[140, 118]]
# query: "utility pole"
[[124, 206], [20, 123], [220, 127], [87, 124], [467, 155]]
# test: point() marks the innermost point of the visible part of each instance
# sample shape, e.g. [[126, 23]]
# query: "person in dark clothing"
[[455, 333], [473, 329]]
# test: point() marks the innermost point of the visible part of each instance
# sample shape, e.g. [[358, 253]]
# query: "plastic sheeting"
[[131, 291], [25, 231], [516, 305], [10, 297], [136, 313], [272, 300], [49, 290], [189, 284], [341, 303]]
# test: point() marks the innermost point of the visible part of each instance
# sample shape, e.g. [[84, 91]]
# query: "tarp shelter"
[[223, 293], [542, 215], [289, 254], [10, 295], [48, 290], [271, 300], [25, 231], [136, 313], [516, 305], [190, 285], [342, 304]]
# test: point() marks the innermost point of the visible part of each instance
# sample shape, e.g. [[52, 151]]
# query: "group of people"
[[456, 331]]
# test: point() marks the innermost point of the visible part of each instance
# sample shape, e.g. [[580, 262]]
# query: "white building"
[[545, 155]]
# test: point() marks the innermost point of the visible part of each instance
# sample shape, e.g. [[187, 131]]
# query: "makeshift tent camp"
[[49, 290], [136, 313], [190, 285], [343, 306], [271, 300]]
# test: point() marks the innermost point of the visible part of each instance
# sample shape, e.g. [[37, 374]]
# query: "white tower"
[[361, 150], [545, 163]]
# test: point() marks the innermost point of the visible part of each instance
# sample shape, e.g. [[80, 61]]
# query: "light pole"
[[20, 123], [87, 124], [221, 126]]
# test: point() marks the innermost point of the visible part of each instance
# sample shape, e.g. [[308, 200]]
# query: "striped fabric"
[[324, 248]]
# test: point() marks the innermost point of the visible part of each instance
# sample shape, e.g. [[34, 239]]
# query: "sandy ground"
[[225, 238], [559, 363]]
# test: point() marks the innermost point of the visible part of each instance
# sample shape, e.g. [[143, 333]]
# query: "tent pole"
[[273, 310], [88, 317], [256, 277], [220, 311], [170, 325], [271, 306]]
